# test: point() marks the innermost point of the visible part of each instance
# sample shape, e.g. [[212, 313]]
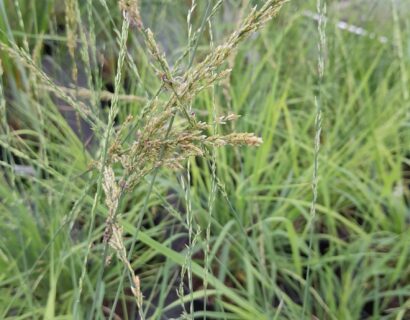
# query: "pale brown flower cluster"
[[131, 12]]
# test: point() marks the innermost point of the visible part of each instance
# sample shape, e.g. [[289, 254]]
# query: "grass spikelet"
[[227, 118], [235, 139], [131, 12], [71, 27]]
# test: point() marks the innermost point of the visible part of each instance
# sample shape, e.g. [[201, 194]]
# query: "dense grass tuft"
[[158, 158]]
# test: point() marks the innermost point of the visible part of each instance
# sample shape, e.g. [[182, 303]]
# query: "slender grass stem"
[[321, 9], [112, 114]]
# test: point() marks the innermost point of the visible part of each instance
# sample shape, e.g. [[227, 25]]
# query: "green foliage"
[[255, 201]]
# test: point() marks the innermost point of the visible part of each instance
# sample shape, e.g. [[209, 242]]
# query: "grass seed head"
[[131, 12]]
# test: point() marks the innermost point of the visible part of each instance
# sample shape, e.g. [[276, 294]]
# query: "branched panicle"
[[254, 21], [157, 144]]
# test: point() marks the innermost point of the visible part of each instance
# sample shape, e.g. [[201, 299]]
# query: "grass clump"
[[125, 195]]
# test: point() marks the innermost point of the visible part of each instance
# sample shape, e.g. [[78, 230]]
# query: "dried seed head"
[[131, 12], [157, 55], [111, 189], [108, 260], [235, 139], [136, 289], [228, 117]]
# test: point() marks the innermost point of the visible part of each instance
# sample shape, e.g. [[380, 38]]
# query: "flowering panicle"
[[157, 144]]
